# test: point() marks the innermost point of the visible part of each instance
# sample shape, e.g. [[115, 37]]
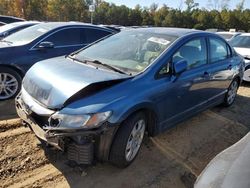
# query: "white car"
[[241, 44], [229, 169], [227, 35]]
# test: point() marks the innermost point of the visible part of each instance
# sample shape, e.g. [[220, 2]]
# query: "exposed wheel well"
[[151, 118], [15, 69], [238, 80], [248, 67]]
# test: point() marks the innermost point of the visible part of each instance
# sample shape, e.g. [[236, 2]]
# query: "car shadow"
[[7, 109], [151, 168], [240, 110]]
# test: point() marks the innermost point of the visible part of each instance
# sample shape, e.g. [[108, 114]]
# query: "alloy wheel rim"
[[232, 92], [8, 85], [135, 140]]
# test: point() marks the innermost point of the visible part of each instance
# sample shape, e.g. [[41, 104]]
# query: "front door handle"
[[229, 67], [206, 74]]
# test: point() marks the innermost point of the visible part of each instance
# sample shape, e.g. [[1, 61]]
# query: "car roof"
[[227, 32], [9, 19], [25, 23], [170, 30], [54, 25], [245, 34]]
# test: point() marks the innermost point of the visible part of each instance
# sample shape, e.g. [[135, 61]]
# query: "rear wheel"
[[10, 83], [128, 140], [231, 93]]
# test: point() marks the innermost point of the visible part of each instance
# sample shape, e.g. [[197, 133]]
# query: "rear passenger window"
[[66, 37], [93, 35], [219, 50], [194, 52]]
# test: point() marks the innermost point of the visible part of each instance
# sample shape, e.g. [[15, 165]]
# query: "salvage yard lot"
[[172, 159]]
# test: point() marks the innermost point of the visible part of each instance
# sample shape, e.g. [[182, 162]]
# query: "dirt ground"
[[172, 159], [7, 110]]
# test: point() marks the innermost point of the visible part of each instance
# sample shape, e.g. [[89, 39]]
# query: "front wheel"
[[10, 83], [231, 93], [128, 140]]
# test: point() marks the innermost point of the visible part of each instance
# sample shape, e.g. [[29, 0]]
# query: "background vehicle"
[[214, 30], [19, 51], [241, 44], [229, 169], [10, 19], [11, 28], [102, 99], [2, 23], [228, 35]]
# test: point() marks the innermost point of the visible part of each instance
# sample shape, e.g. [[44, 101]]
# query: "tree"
[[35, 10], [160, 15], [240, 5], [153, 7], [219, 15], [218, 4], [147, 17], [135, 17], [191, 4], [68, 10]]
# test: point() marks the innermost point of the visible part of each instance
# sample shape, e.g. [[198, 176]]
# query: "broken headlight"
[[87, 121]]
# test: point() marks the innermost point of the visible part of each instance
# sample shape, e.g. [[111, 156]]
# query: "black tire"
[[233, 87], [118, 149], [16, 76]]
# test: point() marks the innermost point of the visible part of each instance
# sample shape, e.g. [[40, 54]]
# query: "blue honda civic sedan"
[[97, 103], [21, 50]]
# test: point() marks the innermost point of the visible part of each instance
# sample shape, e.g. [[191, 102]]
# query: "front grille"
[[81, 153]]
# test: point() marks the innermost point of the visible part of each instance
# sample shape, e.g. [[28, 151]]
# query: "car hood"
[[245, 52], [54, 82], [4, 45]]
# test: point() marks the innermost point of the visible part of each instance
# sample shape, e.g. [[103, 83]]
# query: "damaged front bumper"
[[82, 146]]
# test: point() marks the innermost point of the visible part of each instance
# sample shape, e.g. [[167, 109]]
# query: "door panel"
[[221, 68], [185, 93], [65, 42], [38, 55]]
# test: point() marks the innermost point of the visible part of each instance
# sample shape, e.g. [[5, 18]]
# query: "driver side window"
[[67, 37], [194, 52]]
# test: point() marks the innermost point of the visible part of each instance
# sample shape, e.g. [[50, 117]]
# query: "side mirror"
[[5, 34], [45, 45], [2, 35], [180, 66]]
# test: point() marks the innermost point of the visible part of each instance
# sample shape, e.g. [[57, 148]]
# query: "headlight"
[[247, 62], [78, 121]]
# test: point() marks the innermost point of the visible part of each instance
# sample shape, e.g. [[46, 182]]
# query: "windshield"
[[131, 51], [29, 34], [241, 41]]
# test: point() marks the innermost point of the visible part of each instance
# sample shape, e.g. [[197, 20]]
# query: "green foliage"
[[216, 16], [191, 5]]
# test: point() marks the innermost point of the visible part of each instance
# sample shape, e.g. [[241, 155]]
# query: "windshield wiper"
[[9, 42], [106, 65], [75, 59], [99, 63]]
